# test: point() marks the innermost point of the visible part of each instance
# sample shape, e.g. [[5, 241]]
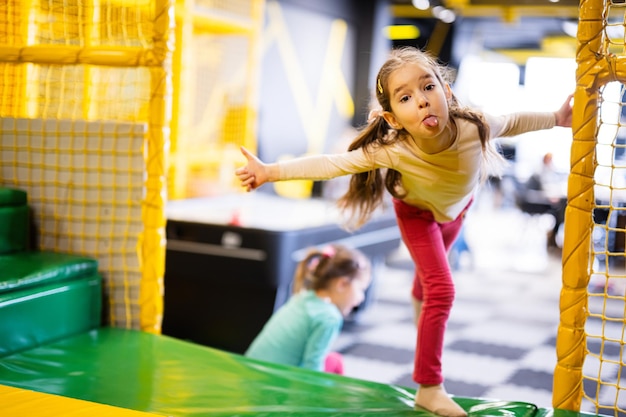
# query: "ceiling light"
[[421, 4], [447, 16], [443, 14], [401, 32]]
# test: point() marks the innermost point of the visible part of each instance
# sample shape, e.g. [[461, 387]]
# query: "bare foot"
[[434, 398]]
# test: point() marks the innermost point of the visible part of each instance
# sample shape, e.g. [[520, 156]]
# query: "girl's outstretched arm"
[[255, 173], [564, 114]]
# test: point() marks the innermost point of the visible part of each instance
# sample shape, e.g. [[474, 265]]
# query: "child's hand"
[[254, 174], [564, 114]]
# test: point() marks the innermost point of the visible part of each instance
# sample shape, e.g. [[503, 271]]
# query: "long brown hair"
[[366, 190]]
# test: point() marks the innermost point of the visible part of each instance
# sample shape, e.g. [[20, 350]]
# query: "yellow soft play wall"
[[97, 98]]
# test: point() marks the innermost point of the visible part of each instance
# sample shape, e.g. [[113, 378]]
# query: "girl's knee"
[[442, 297]]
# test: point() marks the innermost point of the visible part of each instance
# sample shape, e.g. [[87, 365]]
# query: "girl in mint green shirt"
[[328, 284]]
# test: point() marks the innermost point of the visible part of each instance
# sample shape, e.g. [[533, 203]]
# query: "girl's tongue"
[[431, 121]]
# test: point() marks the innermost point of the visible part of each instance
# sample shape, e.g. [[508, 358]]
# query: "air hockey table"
[[230, 260]]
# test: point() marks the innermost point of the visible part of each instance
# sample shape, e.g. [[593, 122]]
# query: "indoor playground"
[[104, 120]]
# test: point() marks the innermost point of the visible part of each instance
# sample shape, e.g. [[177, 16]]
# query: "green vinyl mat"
[[167, 376]]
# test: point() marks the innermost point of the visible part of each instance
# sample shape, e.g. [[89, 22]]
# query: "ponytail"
[[494, 161], [302, 278], [366, 191]]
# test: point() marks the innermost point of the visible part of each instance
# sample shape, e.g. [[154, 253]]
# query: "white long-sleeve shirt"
[[442, 183]]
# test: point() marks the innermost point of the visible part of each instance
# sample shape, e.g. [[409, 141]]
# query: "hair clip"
[[380, 87]]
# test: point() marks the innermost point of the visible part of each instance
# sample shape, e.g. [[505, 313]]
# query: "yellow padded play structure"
[[104, 113]]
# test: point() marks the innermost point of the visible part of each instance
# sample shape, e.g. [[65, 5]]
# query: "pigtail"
[[494, 161], [303, 277], [366, 191]]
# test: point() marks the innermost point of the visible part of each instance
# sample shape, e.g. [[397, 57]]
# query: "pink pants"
[[428, 243]]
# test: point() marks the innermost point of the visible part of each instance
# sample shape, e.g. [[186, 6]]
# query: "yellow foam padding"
[[18, 402], [294, 188]]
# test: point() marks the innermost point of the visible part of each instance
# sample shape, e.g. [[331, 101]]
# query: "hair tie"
[[373, 115], [328, 252]]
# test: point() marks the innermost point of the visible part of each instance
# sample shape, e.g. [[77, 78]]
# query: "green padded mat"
[[163, 375], [14, 220], [35, 316], [12, 197], [30, 269], [14, 229]]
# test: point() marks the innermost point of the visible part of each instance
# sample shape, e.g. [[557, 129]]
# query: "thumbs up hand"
[[255, 173]]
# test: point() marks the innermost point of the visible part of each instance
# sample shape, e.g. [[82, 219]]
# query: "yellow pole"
[[254, 59], [181, 116], [571, 338], [13, 102], [91, 11], [152, 240], [438, 37]]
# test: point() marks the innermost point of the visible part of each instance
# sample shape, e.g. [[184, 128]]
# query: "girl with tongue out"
[[430, 153]]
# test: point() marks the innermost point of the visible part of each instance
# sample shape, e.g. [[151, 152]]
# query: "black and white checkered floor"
[[500, 341]]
